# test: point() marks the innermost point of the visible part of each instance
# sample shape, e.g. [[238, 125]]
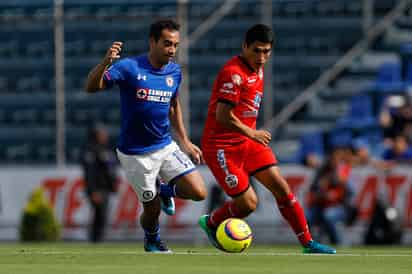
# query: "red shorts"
[[232, 166]]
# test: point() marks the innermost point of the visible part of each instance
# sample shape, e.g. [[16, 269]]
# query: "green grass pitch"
[[117, 258]]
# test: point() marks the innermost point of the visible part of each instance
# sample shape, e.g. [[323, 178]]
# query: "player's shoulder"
[[173, 67], [125, 63], [232, 69]]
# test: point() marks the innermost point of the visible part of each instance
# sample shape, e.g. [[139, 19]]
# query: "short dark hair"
[[157, 27], [261, 33]]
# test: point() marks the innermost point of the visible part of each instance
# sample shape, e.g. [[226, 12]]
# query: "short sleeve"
[[229, 86], [115, 74], [178, 81]]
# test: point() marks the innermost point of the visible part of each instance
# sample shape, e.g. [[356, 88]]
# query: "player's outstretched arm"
[[226, 117], [176, 118], [95, 81]]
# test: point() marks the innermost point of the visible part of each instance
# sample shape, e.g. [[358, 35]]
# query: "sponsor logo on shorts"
[[148, 195], [231, 180]]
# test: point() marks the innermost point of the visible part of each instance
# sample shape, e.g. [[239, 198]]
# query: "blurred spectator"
[[329, 195], [98, 163], [399, 152], [386, 225], [361, 153], [396, 117], [312, 160]]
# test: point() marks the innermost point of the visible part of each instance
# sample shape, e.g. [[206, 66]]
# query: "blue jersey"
[[145, 95]]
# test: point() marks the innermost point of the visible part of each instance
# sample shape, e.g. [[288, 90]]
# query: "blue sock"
[[152, 235], [167, 190]]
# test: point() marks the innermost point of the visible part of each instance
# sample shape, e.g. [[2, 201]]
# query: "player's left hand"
[[194, 152]]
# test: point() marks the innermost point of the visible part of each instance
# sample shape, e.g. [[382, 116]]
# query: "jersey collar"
[[249, 67]]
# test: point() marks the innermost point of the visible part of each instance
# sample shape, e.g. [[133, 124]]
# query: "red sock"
[[293, 213], [228, 210]]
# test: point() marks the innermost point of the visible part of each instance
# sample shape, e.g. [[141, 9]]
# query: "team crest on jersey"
[[169, 81], [236, 79]]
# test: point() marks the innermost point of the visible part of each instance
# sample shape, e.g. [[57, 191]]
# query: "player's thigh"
[[175, 164], [271, 178], [227, 168], [141, 172], [191, 186], [178, 168]]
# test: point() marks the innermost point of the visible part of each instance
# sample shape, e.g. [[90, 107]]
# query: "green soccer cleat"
[[316, 248], [210, 232]]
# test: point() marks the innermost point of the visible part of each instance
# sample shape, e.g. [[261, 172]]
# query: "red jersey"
[[237, 84]]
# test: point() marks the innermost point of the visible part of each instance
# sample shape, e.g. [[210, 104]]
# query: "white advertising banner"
[[65, 190]]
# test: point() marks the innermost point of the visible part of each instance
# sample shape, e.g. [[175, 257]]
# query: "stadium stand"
[[309, 40]]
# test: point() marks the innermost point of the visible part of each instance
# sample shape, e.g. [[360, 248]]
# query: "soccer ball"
[[234, 235]]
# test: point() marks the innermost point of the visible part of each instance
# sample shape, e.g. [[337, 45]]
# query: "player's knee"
[[249, 205], [252, 203]]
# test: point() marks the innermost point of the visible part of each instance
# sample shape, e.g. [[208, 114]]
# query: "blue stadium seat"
[[339, 138], [389, 72], [409, 74], [311, 143], [360, 115], [303, 49]]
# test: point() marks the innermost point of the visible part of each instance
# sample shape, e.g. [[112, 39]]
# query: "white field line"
[[194, 253]]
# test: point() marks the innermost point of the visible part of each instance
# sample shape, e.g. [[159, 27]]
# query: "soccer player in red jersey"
[[234, 149]]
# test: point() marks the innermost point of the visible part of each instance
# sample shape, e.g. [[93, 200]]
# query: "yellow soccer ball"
[[234, 235]]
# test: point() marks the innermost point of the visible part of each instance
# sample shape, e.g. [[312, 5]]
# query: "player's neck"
[[153, 62], [247, 64]]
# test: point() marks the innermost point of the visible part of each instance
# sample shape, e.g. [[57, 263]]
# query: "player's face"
[[166, 47], [257, 54]]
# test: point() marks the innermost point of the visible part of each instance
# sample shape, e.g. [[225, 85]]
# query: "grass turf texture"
[[115, 258]]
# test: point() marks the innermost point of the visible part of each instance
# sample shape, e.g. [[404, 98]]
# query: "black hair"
[[261, 33], [157, 27]]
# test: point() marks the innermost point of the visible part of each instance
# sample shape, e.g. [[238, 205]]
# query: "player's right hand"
[[113, 53], [262, 136]]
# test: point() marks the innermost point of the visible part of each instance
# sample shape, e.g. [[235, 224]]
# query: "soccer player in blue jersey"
[[149, 88]]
